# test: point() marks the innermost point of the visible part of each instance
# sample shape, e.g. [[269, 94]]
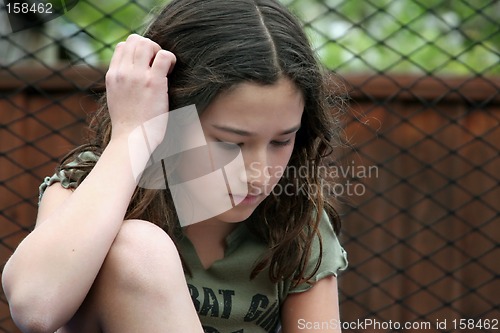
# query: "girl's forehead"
[[281, 103]]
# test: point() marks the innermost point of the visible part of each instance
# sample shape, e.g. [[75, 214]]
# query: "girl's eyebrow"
[[246, 133]]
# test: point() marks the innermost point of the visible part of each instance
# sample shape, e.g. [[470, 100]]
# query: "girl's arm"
[[50, 273], [315, 310]]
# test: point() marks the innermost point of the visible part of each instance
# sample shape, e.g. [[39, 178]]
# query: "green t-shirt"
[[226, 300]]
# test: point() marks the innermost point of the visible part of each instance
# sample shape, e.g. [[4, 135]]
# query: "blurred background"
[[421, 222]]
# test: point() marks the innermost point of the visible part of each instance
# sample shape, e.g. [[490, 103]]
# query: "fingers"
[[137, 80], [142, 53], [117, 55], [138, 51], [163, 62]]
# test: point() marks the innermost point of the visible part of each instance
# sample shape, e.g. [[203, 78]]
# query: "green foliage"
[[110, 21], [460, 37], [418, 36]]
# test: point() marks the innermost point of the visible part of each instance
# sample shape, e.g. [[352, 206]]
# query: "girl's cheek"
[[275, 174]]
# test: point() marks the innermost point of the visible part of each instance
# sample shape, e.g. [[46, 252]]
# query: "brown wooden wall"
[[422, 239]]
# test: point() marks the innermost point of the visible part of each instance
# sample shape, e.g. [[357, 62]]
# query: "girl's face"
[[263, 122]]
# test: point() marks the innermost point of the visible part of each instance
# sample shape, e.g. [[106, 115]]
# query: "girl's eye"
[[227, 145], [281, 143]]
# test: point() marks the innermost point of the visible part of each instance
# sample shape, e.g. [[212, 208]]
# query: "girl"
[[110, 256]]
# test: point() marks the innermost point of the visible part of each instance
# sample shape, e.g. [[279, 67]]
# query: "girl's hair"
[[219, 44]]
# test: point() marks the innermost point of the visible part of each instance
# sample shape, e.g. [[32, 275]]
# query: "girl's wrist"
[[134, 150]]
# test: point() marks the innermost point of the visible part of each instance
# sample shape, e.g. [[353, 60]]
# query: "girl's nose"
[[257, 175]]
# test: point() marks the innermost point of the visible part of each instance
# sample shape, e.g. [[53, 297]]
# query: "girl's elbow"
[[30, 313], [30, 318], [32, 324]]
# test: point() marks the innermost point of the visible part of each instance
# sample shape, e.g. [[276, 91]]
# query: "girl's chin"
[[243, 209], [236, 214]]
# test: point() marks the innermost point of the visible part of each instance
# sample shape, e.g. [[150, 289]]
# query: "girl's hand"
[[137, 86]]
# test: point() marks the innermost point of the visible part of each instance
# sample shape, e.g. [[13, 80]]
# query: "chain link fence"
[[419, 183]]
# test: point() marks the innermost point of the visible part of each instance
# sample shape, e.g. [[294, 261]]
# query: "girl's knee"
[[142, 236], [140, 255], [142, 271]]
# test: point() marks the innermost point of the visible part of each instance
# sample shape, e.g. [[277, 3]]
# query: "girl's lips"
[[244, 200]]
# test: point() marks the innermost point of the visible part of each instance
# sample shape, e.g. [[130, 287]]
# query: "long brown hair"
[[221, 43]]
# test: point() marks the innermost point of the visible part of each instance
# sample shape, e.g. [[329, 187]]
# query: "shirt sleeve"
[[333, 256], [68, 178]]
